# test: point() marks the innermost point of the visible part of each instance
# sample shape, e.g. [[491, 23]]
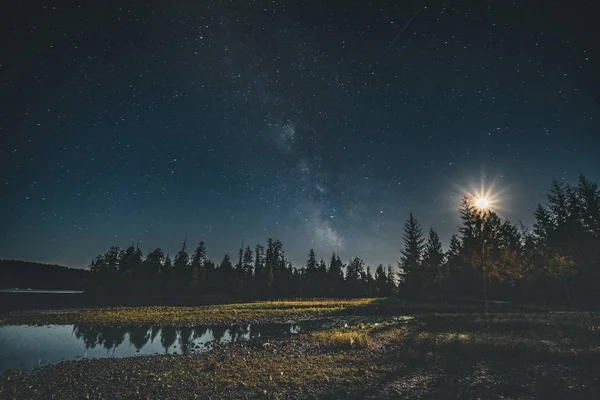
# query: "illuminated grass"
[[270, 311], [459, 355]]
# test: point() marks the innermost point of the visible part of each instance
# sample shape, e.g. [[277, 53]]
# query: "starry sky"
[[320, 123]]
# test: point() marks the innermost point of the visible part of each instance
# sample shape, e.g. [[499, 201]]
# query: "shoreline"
[[429, 355]]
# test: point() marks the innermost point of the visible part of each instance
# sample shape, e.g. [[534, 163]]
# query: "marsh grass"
[[267, 311], [342, 339], [428, 355]]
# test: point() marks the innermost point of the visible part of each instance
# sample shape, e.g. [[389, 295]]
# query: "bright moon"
[[482, 203]]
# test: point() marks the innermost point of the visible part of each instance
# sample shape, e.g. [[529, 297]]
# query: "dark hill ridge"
[[33, 275]]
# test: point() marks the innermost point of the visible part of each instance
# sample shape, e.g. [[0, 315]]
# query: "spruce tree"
[[311, 273], [336, 275], [433, 257], [433, 254], [181, 268], [381, 281], [411, 274], [247, 263], [198, 260]]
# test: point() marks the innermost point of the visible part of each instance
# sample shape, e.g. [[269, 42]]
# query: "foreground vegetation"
[[241, 313], [367, 352]]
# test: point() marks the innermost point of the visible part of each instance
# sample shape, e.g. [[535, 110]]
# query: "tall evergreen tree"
[[225, 274], [353, 275], [247, 263], [167, 265], [371, 289], [543, 225], [336, 275], [381, 281], [152, 266], [558, 202], [182, 269], [198, 260], [411, 274], [391, 279], [433, 254], [311, 273]]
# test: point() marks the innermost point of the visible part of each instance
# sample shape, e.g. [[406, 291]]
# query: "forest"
[[24, 274], [554, 262]]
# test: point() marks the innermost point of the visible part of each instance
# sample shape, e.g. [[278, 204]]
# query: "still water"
[[24, 347]]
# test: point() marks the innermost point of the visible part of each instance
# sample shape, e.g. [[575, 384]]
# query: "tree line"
[[556, 261], [33, 275], [258, 273], [489, 257]]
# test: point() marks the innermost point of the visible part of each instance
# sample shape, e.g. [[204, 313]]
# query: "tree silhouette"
[[557, 260], [433, 258], [198, 269], [311, 273], [411, 274]]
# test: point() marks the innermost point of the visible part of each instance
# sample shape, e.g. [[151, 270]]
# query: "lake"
[[47, 291], [24, 347]]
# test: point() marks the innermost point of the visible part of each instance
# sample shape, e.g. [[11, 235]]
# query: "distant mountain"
[[32, 275]]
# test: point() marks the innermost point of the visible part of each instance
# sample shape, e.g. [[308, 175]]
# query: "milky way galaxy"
[[322, 124]]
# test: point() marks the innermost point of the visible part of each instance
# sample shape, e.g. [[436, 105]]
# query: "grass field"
[[524, 354], [267, 311]]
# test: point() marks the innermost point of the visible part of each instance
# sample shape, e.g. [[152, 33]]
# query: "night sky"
[[320, 123]]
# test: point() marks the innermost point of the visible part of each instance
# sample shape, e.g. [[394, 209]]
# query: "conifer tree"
[[433, 257], [198, 260], [411, 274], [247, 263], [381, 281], [311, 273], [336, 275]]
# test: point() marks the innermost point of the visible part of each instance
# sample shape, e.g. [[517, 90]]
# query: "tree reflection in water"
[[187, 338]]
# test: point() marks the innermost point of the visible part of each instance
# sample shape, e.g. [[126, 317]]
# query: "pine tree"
[[167, 265], [311, 273], [381, 281], [130, 262], [152, 267], [469, 229], [589, 194], [370, 292], [321, 285], [198, 260], [225, 274], [453, 254], [247, 263], [336, 275], [433, 257], [166, 273], [154, 261], [259, 262], [411, 274], [558, 203], [543, 225], [182, 268], [433, 254], [391, 280], [353, 273]]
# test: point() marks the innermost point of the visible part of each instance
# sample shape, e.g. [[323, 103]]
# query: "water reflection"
[[26, 347], [185, 338]]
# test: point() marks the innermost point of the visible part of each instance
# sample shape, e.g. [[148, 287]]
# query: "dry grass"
[[429, 356], [269, 311], [342, 339]]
